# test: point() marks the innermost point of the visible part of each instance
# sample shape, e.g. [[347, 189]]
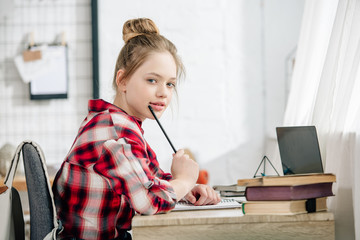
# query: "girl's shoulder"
[[125, 122]]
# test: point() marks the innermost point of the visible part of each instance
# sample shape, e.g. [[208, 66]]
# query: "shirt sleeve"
[[124, 163]]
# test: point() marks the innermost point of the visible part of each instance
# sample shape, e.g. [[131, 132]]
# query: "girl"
[[110, 171]]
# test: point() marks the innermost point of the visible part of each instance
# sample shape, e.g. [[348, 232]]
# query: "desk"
[[20, 183], [232, 224]]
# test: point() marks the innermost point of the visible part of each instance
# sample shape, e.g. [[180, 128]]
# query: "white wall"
[[233, 96], [282, 22]]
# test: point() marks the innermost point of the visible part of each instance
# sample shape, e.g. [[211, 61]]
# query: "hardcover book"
[[284, 207], [296, 192], [289, 180]]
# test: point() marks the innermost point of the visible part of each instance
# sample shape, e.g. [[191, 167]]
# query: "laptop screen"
[[299, 150]]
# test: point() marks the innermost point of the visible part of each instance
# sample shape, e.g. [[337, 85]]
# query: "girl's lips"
[[157, 106]]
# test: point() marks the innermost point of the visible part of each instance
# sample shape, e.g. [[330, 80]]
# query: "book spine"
[[284, 207], [280, 193], [298, 179]]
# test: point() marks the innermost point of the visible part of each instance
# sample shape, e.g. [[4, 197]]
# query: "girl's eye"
[[172, 85], [151, 80]]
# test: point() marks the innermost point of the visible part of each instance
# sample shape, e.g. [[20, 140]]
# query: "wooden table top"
[[222, 216], [19, 183]]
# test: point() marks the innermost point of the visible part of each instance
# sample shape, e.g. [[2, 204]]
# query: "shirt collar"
[[99, 105]]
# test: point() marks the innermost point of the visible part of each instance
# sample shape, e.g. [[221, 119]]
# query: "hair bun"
[[139, 26]]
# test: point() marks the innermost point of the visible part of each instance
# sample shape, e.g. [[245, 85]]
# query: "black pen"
[[157, 120]]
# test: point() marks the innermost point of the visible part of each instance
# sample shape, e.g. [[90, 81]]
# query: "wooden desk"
[[232, 224], [20, 182]]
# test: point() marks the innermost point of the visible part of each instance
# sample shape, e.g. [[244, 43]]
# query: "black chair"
[[42, 210]]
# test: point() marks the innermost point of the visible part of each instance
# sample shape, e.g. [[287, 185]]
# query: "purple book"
[[296, 192]]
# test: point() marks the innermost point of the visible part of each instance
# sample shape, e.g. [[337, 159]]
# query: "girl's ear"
[[120, 81]]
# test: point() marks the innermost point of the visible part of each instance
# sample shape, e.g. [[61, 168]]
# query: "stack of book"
[[230, 190], [287, 195]]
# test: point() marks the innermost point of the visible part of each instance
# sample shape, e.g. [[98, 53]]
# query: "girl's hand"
[[185, 172], [184, 168], [203, 195]]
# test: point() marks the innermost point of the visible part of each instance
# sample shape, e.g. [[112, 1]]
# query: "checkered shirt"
[[109, 174]]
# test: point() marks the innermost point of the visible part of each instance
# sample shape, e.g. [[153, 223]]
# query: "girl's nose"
[[162, 91]]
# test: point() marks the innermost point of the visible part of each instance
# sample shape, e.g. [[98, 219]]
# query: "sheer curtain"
[[325, 92]]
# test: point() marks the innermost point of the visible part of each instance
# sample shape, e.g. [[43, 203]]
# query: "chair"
[[41, 202], [42, 208], [43, 219]]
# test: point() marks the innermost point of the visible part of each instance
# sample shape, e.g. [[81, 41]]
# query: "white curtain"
[[325, 92]]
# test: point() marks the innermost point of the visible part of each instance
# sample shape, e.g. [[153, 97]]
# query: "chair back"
[[43, 218], [40, 200]]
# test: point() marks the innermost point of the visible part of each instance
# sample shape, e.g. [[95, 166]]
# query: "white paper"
[[225, 203], [47, 75]]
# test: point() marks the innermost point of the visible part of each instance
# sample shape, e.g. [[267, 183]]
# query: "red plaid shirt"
[[109, 174]]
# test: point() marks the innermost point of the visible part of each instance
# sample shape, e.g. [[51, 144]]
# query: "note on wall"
[[45, 68]]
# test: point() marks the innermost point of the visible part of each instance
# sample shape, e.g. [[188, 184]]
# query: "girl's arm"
[[129, 175], [185, 172]]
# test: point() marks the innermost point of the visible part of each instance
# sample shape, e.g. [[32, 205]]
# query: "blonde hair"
[[142, 37]]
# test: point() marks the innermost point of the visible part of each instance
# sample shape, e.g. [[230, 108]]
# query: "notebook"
[[224, 203], [299, 150]]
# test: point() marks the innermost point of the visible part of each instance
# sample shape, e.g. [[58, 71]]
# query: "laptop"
[[299, 150]]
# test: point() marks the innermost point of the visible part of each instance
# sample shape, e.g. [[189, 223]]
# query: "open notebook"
[[225, 203]]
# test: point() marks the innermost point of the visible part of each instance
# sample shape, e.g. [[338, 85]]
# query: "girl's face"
[[153, 83]]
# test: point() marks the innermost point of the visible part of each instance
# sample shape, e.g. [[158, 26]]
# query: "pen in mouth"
[[162, 129]]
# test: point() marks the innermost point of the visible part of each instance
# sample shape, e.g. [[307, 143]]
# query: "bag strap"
[[11, 173], [9, 178]]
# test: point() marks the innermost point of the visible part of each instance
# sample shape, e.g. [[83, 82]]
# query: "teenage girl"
[[110, 171]]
